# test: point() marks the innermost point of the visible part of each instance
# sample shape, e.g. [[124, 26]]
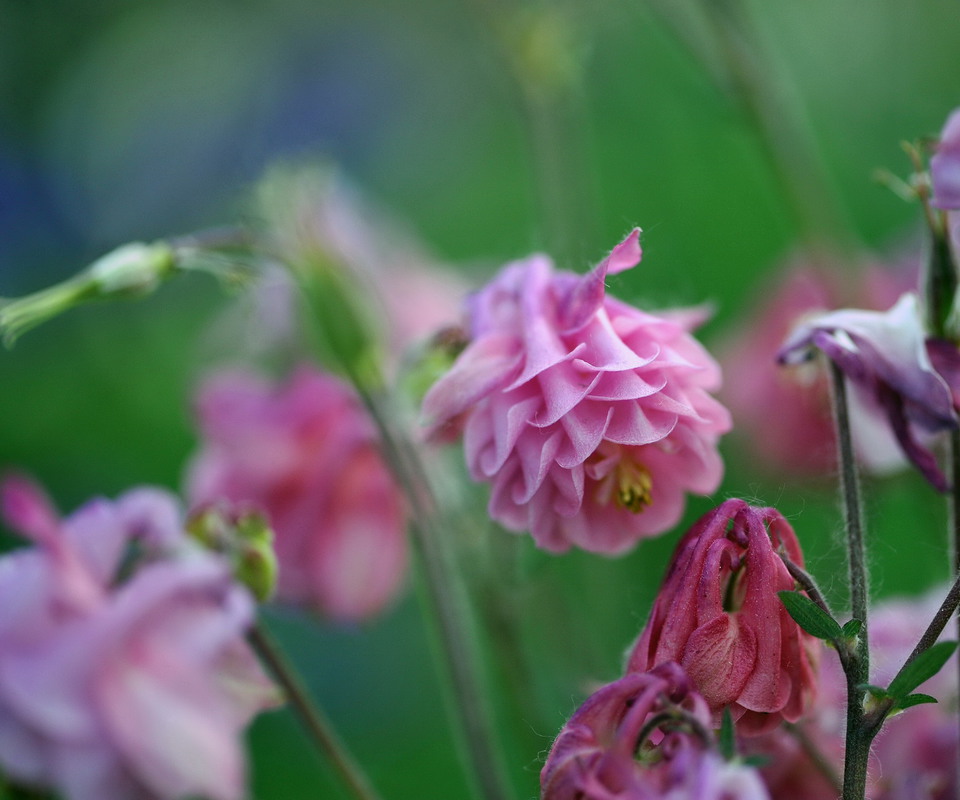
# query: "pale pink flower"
[[718, 615], [124, 686], [885, 358], [782, 414], [613, 749], [305, 452], [945, 166], [590, 418]]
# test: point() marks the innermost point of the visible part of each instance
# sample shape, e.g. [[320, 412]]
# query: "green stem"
[[312, 716], [859, 735], [449, 604]]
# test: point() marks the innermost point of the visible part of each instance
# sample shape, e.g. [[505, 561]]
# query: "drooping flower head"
[[124, 673], [945, 166], [590, 418], [306, 454], [885, 358], [718, 615], [644, 736], [782, 415]]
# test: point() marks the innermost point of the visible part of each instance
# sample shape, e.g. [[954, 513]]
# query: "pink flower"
[[885, 358], [782, 414], [718, 615], [305, 452], [945, 166], [590, 418], [132, 687], [613, 749], [914, 755]]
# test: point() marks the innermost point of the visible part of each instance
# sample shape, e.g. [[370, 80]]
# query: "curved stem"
[[312, 716]]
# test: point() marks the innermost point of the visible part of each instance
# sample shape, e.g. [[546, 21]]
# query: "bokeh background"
[[492, 128]]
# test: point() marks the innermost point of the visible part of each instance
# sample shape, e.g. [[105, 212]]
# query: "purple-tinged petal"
[[945, 166], [26, 509]]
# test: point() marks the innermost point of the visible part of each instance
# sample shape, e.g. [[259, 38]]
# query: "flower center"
[[634, 486]]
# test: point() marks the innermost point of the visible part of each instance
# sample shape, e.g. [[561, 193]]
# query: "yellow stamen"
[[634, 486]]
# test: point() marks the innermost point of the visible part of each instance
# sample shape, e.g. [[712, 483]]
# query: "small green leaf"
[[852, 628], [809, 616], [925, 666], [727, 743], [913, 700], [874, 691]]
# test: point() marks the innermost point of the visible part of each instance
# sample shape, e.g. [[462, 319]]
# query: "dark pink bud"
[[718, 615]]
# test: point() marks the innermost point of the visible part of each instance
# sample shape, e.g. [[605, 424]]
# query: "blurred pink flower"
[[945, 165], [590, 418], [119, 686], [782, 414], [305, 452], [718, 615], [914, 757], [885, 360], [609, 750]]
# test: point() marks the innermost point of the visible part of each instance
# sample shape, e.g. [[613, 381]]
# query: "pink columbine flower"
[[590, 418], [782, 415], [305, 453], [119, 678], [718, 615], [945, 166], [885, 358], [613, 749]]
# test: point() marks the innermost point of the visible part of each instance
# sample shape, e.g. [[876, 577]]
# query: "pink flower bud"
[[306, 454], [718, 615], [590, 418]]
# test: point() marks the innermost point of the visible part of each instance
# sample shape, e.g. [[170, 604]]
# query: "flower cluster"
[[305, 453], [590, 418], [124, 673]]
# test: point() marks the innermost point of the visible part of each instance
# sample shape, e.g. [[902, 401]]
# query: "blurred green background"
[[493, 128]]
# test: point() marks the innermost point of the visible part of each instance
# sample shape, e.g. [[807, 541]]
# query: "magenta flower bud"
[[124, 672], [718, 615], [305, 453], [945, 166], [642, 737], [885, 357], [590, 418]]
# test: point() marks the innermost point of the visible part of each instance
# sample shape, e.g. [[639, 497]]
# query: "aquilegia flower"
[[885, 358], [782, 414], [718, 615], [124, 673], [945, 166], [642, 737], [305, 453], [590, 418]]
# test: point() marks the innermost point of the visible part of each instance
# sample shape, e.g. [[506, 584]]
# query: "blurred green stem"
[[311, 715], [732, 54], [448, 602], [859, 735]]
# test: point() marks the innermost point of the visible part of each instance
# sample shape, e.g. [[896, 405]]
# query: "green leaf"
[[852, 628], [913, 700], [809, 616], [925, 666], [727, 742]]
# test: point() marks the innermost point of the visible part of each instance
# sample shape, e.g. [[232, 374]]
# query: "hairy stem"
[[859, 735], [320, 728]]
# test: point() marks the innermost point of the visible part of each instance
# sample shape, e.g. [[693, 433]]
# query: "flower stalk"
[[316, 722]]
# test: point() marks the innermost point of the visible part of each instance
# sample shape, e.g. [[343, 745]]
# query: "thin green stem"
[[857, 668], [312, 716], [449, 604]]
